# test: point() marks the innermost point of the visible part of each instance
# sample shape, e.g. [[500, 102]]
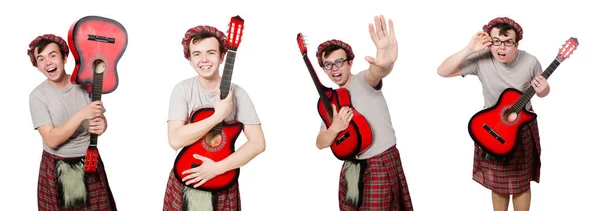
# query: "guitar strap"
[[71, 182]]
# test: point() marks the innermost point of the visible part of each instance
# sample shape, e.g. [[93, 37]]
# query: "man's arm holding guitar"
[[254, 146], [340, 122], [387, 51], [55, 136], [181, 134]]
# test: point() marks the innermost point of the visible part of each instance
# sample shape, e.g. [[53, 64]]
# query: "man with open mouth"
[[64, 116], [374, 179], [494, 57]]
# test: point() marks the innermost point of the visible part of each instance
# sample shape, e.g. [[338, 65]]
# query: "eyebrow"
[[503, 40], [39, 55], [335, 59], [206, 51]]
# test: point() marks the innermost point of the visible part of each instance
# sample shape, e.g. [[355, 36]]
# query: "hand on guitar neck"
[[97, 121], [223, 107]]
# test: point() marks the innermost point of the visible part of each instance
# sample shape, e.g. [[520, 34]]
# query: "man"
[[494, 57], [64, 116], [384, 186], [205, 48]]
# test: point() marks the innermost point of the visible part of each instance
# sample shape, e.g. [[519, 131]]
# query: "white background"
[[429, 113]]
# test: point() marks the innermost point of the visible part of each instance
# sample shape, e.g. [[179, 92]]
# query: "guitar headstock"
[[301, 43], [567, 49], [234, 34]]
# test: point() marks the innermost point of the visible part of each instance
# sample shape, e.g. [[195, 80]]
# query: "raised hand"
[[385, 42], [480, 41]]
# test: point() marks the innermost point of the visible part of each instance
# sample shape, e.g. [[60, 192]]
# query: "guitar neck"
[[319, 85], [528, 94], [226, 80], [96, 96]]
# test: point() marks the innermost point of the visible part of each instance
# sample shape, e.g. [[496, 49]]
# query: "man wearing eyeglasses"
[[374, 180], [494, 57]]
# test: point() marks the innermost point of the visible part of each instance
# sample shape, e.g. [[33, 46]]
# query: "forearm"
[[450, 66], [243, 155], [185, 135], [58, 135], [325, 138], [378, 72], [544, 92]]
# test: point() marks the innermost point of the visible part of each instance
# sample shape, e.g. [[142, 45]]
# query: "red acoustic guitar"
[[219, 142], [97, 44], [355, 139], [496, 129]]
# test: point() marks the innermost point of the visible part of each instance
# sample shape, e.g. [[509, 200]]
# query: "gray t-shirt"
[[189, 95], [371, 103], [51, 105], [495, 77]]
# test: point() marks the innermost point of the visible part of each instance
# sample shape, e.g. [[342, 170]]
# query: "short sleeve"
[[40, 115], [178, 106]]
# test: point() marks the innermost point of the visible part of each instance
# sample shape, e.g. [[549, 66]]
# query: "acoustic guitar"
[[219, 142], [496, 129], [97, 43]]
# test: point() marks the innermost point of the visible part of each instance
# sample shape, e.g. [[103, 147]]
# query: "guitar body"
[[491, 129], [93, 39], [497, 129], [214, 146], [357, 137]]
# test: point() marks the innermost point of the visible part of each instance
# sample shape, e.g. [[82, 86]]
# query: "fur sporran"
[[72, 189], [353, 173], [197, 200]]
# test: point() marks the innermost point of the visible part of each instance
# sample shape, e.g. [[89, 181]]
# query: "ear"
[[222, 58]]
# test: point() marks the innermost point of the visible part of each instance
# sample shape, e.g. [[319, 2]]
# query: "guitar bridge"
[[493, 133], [98, 38], [342, 138]]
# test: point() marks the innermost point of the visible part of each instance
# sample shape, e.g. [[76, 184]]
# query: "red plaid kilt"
[[384, 185], [226, 200], [99, 195], [522, 167]]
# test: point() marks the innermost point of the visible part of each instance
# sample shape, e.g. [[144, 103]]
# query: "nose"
[[47, 61], [203, 58], [334, 68]]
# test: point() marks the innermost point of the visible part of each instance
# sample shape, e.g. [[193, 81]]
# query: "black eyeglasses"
[[498, 42], [338, 63]]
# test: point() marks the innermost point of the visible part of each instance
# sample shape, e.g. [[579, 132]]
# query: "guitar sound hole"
[[213, 141], [508, 116], [99, 66]]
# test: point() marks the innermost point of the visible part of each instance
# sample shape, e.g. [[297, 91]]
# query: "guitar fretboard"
[[226, 81], [96, 96], [319, 85], [528, 94]]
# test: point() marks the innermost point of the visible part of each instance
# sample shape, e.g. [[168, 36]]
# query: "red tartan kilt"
[[100, 197], [384, 184], [227, 200], [522, 167]]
